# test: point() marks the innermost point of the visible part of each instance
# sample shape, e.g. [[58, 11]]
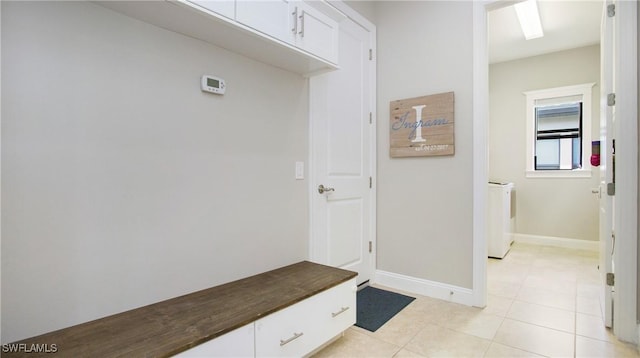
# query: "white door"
[[342, 158], [607, 115]]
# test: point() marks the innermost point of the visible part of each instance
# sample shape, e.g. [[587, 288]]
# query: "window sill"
[[576, 173]]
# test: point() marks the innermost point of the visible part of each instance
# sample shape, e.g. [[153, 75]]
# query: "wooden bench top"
[[169, 327]]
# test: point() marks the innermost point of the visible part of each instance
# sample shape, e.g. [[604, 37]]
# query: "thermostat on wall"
[[212, 84]]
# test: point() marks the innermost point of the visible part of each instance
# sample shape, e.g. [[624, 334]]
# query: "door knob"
[[322, 189]]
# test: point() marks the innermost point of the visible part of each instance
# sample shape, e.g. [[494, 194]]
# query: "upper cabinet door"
[[271, 17], [317, 33], [225, 8]]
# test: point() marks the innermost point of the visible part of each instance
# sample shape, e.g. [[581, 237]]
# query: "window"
[[558, 136], [559, 132]]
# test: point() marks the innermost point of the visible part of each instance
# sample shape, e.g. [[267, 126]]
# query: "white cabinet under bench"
[[300, 329], [287, 312]]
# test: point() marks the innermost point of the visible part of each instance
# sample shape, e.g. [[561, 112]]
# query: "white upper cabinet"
[[269, 17], [294, 22], [294, 35], [316, 33], [225, 8]]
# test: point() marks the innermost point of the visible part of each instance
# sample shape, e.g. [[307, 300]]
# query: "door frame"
[[480, 148], [605, 202], [312, 190], [625, 326]]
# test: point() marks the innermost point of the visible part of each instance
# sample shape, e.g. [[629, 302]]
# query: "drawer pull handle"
[[295, 336], [339, 312]]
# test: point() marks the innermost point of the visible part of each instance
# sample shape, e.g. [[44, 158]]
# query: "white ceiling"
[[566, 25]]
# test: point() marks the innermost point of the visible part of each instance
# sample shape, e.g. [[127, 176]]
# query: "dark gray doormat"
[[376, 307]]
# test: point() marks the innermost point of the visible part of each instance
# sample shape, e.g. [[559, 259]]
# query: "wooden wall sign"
[[422, 126]]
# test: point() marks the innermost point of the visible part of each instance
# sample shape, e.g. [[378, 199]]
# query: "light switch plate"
[[299, 170]]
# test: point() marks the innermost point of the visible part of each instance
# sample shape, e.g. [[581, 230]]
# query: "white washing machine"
[[500, 219]]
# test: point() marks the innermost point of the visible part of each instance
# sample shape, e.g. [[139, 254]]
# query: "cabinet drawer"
[[299, 329], [291, 332], [339, 308], [237, 343]]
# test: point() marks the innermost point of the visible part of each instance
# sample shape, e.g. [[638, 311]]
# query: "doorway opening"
[[556, 223]]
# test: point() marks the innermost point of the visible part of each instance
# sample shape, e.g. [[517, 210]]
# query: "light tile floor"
[[543, 301]]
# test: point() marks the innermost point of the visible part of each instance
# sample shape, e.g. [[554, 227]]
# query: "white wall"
[[122, 183], [555, 207], [425, 204]]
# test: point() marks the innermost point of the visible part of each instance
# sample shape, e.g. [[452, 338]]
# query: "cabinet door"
[[271, 17], [223, 7], [237, 343], [317, 33]]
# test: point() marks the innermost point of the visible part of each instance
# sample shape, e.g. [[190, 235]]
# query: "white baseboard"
[[558, 242], [425, 287]]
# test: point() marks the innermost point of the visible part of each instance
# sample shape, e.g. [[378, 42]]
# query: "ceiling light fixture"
[[529, 18]]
